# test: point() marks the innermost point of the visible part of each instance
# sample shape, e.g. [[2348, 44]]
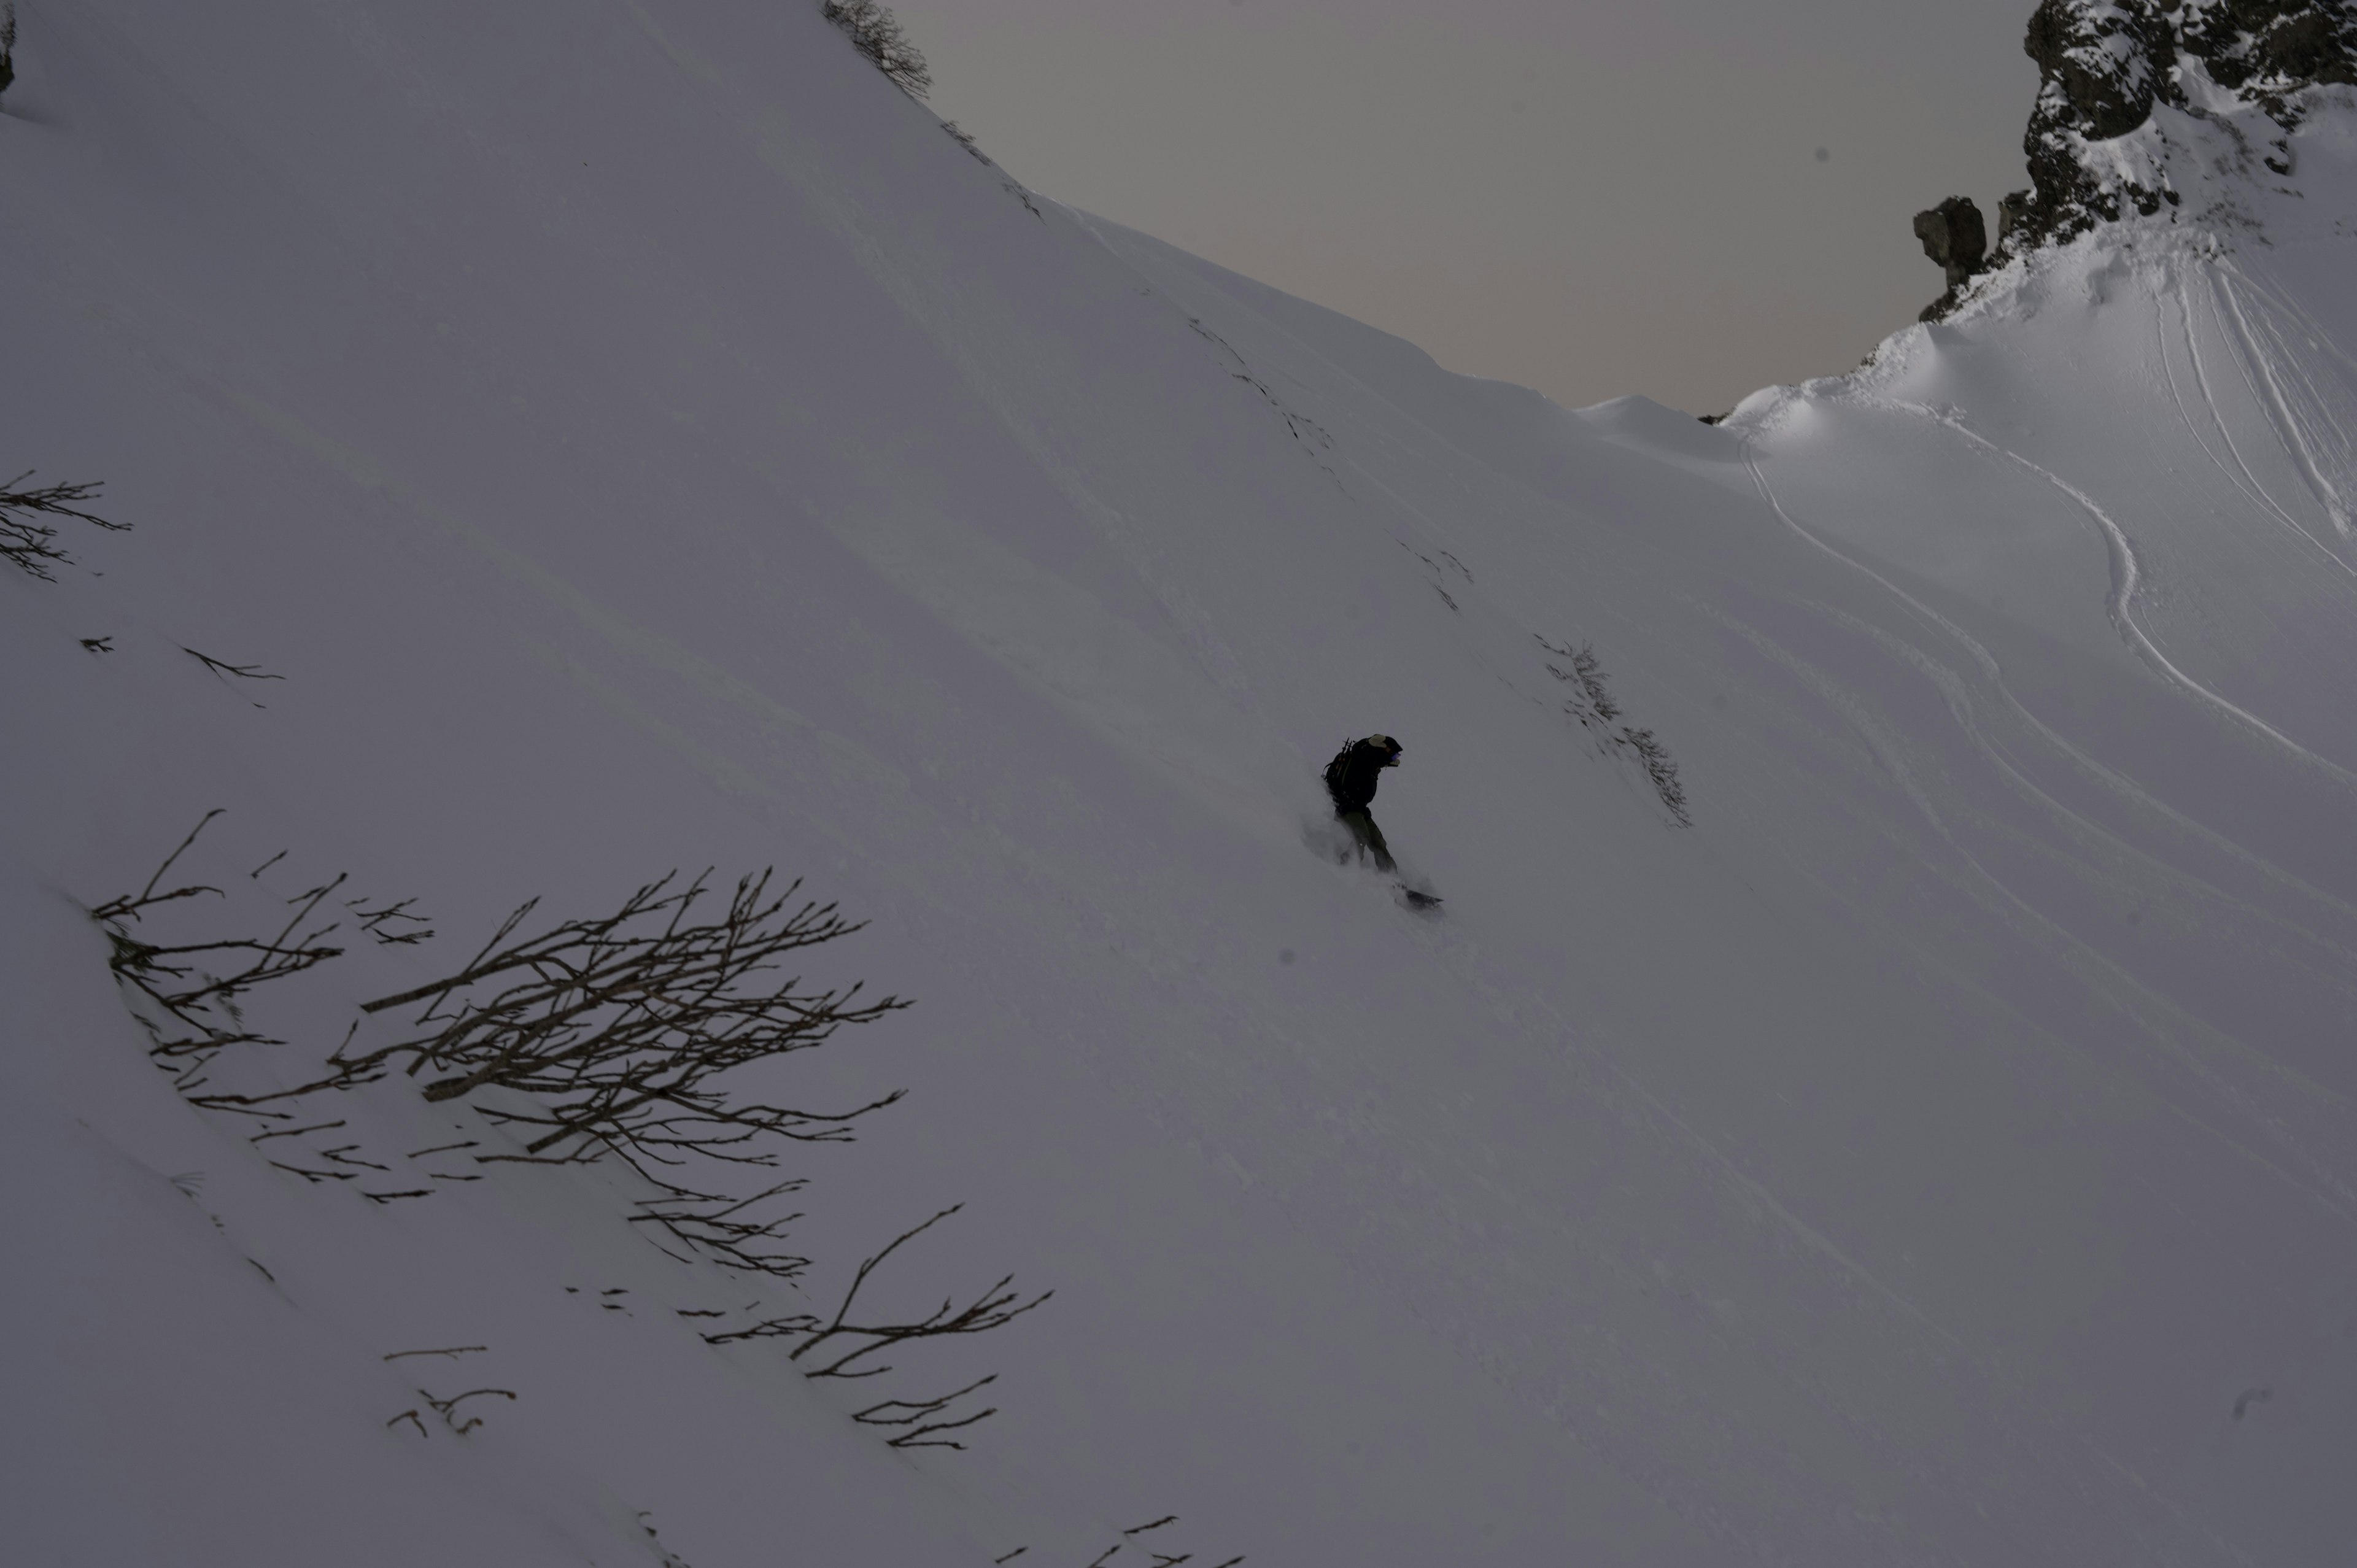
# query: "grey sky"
[[1588, 196]]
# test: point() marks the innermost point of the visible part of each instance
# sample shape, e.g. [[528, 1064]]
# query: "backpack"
[[1336, 770]]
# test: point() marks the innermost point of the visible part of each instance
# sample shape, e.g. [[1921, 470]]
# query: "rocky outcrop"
[[2271, 48], [1954, 236], [2103, 64], [2102, 67]]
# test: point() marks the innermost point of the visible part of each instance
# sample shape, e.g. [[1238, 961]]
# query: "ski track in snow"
[[2155, 1016], [2289, 428], [2118, 783], [2126, 577], [2239, 474]]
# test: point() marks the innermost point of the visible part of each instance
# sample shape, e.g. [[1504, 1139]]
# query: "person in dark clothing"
[[1351, 779]]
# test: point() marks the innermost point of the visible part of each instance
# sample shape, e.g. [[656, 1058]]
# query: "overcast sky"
[[1688, 198]]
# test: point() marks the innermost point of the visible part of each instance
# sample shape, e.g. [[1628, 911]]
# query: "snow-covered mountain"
[[565, 443]]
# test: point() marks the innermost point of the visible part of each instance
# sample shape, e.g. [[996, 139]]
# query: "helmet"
[[1387, 746]]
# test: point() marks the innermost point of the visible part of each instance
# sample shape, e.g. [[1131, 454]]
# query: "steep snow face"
[[636, 436]]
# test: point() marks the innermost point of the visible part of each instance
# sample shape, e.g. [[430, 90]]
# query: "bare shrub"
[[1592, 705], [965, 139], [1661, 770], [598, 1038], [874, 32], [617, 1026], [30, 544]]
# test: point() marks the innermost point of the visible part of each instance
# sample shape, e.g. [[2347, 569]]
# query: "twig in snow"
[[294, 1132], [993, 1309], [917, 1415], [446, 1409], [222, 669]]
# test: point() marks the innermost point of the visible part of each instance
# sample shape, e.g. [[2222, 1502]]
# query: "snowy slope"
[[641, 438]]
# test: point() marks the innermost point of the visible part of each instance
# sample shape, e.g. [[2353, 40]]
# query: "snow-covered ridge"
[[635, 437]]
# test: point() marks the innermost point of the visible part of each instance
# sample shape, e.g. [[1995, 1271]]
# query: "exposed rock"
[[2095, 65], [1954, 236], [2103, 64], [2102, 67], [2269, 49], [2011, 210]]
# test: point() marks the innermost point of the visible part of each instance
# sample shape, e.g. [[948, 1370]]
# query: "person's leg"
[[1370, 839]]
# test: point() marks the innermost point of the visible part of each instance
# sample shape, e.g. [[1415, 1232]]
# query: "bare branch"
[[917, 1415], [182, 994], [726, 1230], [32, 545], [222, 669], [994, 1308], [448, 1407], [617, 1027]]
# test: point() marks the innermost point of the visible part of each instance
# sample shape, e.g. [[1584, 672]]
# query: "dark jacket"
[[1354, 774]]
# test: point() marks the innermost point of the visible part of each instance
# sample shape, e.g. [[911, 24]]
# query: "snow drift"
[[624, 437]]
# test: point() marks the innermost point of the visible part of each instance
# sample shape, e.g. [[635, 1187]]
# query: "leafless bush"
[[33, 545], [1593, 705], [965, 139], [1661, 770], [876, 33], [617, 1027], [7, 44], [602, 1037]]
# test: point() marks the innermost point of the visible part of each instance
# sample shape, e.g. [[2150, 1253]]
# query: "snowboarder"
[[1350, 778]]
